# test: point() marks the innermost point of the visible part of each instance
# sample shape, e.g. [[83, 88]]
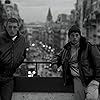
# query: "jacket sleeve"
[[24, 53], [96, 58], [57, 59], [23, 56]]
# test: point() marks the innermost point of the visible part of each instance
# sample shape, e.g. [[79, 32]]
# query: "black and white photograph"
[[49, 49]]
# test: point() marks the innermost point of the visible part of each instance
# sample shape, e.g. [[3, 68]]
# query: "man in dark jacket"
[[80, 61], [12, 54]]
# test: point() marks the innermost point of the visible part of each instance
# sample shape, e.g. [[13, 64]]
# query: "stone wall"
[[42, 96]]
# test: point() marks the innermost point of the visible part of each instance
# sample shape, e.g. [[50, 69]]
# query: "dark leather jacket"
[[88, 60], [12, 53]]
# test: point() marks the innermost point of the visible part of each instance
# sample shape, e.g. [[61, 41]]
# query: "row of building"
[[87, 15], [51, 33], [7, 10]]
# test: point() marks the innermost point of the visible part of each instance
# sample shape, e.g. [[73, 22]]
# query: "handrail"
[[36, 63]]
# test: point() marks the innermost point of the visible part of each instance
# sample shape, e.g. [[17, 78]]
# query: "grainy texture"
[[43, 96]]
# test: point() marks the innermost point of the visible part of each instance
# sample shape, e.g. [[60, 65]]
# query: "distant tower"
[[49, 16]]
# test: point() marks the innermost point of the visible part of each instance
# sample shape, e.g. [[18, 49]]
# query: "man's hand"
[[54, 68], [92, 90]]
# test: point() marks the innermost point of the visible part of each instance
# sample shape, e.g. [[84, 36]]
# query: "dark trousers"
[[6, 89]]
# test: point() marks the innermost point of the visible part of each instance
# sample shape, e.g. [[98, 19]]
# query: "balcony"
[[41, 88], [52, 82]]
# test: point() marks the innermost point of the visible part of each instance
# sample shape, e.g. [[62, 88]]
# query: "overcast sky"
[[36, 10]]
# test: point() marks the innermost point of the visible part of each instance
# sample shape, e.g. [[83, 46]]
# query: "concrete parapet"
[[42, 96]]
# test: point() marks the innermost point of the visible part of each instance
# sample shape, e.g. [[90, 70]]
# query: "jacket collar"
[[82, 44], [9, 37], [82, 47]]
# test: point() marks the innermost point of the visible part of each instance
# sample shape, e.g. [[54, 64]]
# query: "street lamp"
[[33, 44], [49, 47], [43, 45]]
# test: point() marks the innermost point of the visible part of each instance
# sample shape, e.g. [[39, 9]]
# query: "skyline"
[[37, 10]]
